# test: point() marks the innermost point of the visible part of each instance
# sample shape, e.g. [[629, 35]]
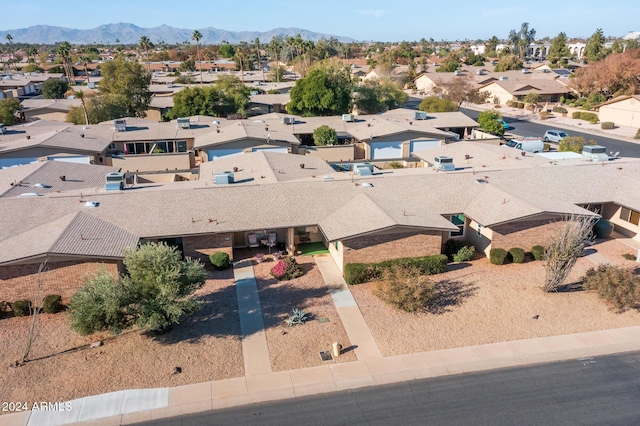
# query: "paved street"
[[590, 390]]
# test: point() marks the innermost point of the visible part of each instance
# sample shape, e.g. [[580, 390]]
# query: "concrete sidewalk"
[[117, 408]]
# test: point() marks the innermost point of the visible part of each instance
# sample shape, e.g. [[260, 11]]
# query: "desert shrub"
[[576, 115], [574, 144], [497, 256], [560, 110], [287, 269], [520, 105], [405, 288], [589, 116], [602, 228], [464, 254], [52, 304], [544, 115], [537, 252], [452, 246], [517, 255], [220, 260], [629, 256], [21, 308], [509, 103], [546, 147], [637, 135], [358, 273], [607, 125], [619, 286]]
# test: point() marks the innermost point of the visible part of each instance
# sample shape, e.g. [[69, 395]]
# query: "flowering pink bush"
[[286, 269]]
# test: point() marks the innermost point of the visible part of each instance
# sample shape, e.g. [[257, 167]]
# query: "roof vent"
[[482, 181], [480, 72], [367, 184], [419, 115], [114, 181], [289, 120], [29, 194], [363, 169], [457, 72], [120, 125], [546, 70], [184, 123], [223, 178], [525, 71], [347, 117], [327, 178], [504, 78], [41, 185], [444, 163], [91, 204]]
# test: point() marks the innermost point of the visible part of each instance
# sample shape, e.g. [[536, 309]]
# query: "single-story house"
[[622, 110]]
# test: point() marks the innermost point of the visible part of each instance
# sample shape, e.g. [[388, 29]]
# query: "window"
[[596, 208], [112, 145], [630, 216], [479, 230], [181, 146], [458, 220]]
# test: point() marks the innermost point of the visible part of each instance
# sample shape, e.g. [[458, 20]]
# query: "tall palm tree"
[[32, 52], [64, 51], [10, 40], [146, 44], [197, 36], [85, 60]]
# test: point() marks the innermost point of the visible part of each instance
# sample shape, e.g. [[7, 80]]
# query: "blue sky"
[[389, 20]]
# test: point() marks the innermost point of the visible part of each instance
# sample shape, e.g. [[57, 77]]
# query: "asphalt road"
[[531, 129], [600, 390]]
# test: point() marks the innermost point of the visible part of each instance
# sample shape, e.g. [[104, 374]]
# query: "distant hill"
[[130, 34]]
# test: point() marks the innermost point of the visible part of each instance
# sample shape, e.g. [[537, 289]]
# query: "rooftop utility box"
[[457, 72], [347, 117], [363, 169], [419, 115], [115, 181], [289, 120], [223, 178], [594, 153], [120, 125], [184, 123], [444, 163]]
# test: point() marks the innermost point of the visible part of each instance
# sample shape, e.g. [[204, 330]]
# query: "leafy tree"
[[615, 75], [157, 292], [226, 51], [533, 99], [227, 96], [491, 46], [595, 50], [632, 44], [456, 90], [127, 79], [54, 88], [325, 91], [99, 108], [559, 52], [617, 47], [188, 65], [450, 64], [490, 121], [508, 63], [521, 40], [574, 144], [8, 108], [437, 104], [325, 135], [375, 96]]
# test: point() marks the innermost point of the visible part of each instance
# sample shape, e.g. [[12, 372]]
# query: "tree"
[[325, 91], [155, 294], [188, 65], [559, 52], [85, 60], [145, 44], [226, 51], [522, 39], [325, 135], [574, 144], [615, 75], [197, 36], [54, 88], [98, 109], [8, 109], [10, 41], [490, 121], [375, 96], [64, 52], [457, 89], [450, 64], [594, 49], [437, 104], [508, 63], [128, 79], [491, 46], [533, 99], [566, 246]]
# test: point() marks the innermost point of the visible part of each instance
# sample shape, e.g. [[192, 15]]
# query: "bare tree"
[[31, 336], [566, 246]]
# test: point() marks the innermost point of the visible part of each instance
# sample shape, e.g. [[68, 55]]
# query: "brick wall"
[[63, 278], [379, 247], [524, 234], [201, 246]]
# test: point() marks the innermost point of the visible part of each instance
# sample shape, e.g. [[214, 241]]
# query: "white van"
[[534, 145]]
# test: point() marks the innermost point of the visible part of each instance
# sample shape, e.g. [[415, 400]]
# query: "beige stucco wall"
[[496, 91], [334, 153], [425, 84], [611, 212], [623, 113], [152, 162], [46, 115], [337, 254], [482, 241]]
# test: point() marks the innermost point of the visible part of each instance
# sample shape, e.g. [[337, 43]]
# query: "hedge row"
[[498, 256], [358, 273], [51, 304], [586, 116]]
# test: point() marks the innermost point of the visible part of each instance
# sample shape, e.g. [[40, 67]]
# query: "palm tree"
[[32, 52], [146, 44], [85, 60], [79, 95], [10, 40], [64, 51], [197, 36]]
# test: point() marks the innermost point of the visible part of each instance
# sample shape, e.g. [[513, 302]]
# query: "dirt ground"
[[206, 346], [485, 303], [299, 346]]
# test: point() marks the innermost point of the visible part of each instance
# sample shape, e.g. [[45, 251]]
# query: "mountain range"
[[130, 34]]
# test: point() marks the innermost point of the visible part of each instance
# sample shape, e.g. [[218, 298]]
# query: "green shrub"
[[517, 255], [520, 105], [637, 135], [617, 285], [464, 254], [287, 269], [576, 115], [630, 256], [537, 252], [607, 125], [52, 304], [220, 260], [405, 288], [358, 273], [452, 246], [509, 103], [589, 116], [560, 110], [497, 256], [602, 228], [21, 308]]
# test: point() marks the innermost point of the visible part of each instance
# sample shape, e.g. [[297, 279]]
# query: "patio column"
[[291, 244]]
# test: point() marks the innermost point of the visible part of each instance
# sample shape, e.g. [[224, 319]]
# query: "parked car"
[[534, 145], [554, 135], [505, 125]]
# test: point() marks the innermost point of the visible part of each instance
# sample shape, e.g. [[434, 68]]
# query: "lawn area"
[[309, 249]]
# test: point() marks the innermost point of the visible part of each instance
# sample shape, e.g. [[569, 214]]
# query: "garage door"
[[385, 150], [82, 159], [8, 162], [422, 145], [215, 154], [281, 149]]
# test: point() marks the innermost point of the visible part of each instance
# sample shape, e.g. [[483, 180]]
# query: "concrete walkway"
[[151, 404], [350, 315], [254, 340]]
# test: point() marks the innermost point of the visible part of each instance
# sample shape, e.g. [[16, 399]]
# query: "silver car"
[[554, 135]]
